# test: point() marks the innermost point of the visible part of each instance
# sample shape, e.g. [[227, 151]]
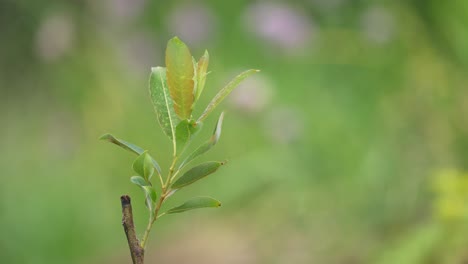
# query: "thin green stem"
[[152, 220], [164, 194], [171, 172], [157, 217], [174, 175], [161, 179], [147, 231]]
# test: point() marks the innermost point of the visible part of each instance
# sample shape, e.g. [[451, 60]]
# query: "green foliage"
[[207, 145], [451, 189], [143, 166], [185, 131], [197, 173], [201, 68], [195, 203], [130, 147], [173, 91], [162, 102], [138, 180], [150, 198], [415, 247], [123, 144], [219, 97]]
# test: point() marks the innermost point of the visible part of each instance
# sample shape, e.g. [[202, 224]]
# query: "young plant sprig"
[[174, 91]]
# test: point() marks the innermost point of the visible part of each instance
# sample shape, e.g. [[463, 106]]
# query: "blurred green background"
[[351, 145]]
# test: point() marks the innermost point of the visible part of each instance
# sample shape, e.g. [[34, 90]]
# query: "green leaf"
[[186, 130], [162, 101], [195, 79], [150, 193], [128, 146], [180, 74], [196, 173], [143, 165], [150, 198], [182, 135], [140, 181], [195, 203], [202, 67], [207, 145], [123, 144], [219, 97]]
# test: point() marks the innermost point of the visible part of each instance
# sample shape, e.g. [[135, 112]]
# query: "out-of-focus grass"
[[334, 167]]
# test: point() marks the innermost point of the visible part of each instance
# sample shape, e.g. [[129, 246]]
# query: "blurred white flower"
[[280, 25], [194, 23], [138, 52], [284, 125], [378, 25], [55, 36], [253, 95]]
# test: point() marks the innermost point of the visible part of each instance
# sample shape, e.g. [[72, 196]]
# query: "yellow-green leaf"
[[219, 97], [202, 67], [180, 74]]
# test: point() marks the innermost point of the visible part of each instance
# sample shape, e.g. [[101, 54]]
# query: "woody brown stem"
[[136, 251]]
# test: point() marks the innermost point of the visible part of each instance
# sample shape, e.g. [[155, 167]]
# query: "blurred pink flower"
[[55, 36], [253, 95], [279, 24], [194, 23], [378, 25]]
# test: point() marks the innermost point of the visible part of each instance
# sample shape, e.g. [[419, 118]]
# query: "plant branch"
[[153, 218], [171, 172], [137, 252]]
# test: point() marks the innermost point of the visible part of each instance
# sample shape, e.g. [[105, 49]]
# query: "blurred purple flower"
[[378, 25], [118, 11], [279, 24], [125, 9], [195, 23], [253, 95], [138, 52], [284, 125], [55, 36]]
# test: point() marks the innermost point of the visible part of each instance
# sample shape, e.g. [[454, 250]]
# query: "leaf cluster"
[[174, 92]]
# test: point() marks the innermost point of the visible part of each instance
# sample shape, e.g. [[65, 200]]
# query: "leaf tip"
[[176, 40], [154, 69], [106, 136]]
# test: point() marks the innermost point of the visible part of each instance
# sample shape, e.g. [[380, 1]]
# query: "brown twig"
[[136, 251]]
